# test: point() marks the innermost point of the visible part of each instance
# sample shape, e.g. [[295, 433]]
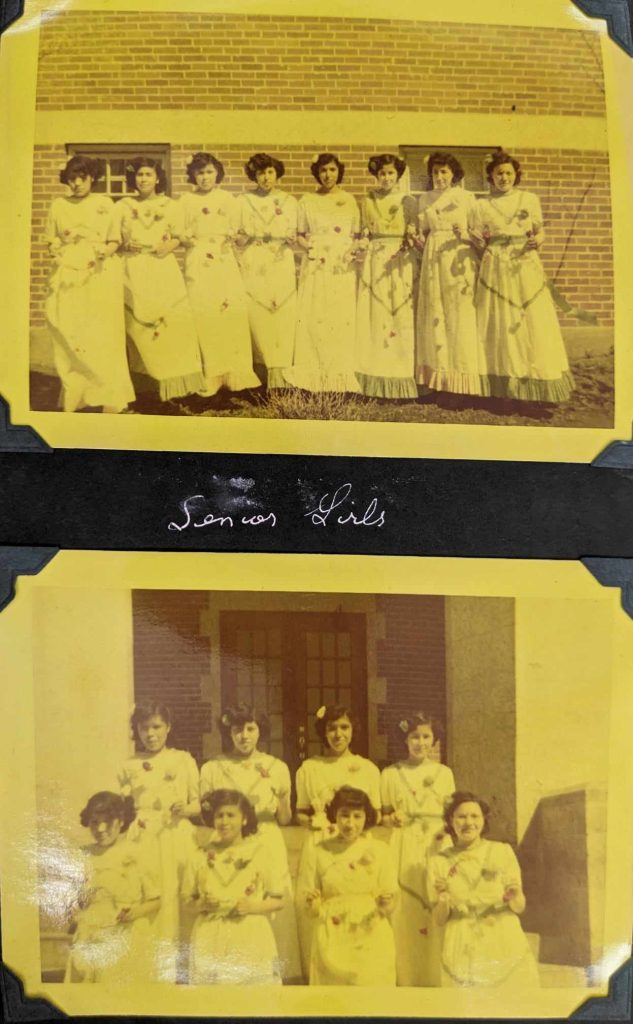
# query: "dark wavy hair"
[[107, 806], [355, 799], [259, 162], [134, 167], [237, 715], [147, 709], [332, 712], [201, 160], [440, 159], [376, 163], [211, 803], [327, 158], [413, 720], [81, 166], [463, 796], [501, 157]]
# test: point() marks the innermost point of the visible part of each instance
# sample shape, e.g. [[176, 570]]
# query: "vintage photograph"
[[254, 223], [414, 278], [298, 789]]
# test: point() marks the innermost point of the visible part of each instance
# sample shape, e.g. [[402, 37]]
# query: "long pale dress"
[[484, 943], [84, 306], [156, 783], [228, 949], [353, 943], [104, 950], [518, 327], [384, 319], [158, 316], [261, 779], [418, 792], [447, 345], [268, 226], [216, 290], [324, 356], [317, 780]]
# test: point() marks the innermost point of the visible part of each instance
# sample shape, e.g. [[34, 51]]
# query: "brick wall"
[[171, 657], [411, 658], [117, 61], [573, 187]]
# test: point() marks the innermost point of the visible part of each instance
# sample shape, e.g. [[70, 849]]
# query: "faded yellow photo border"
[[21, 127], [82, 581]]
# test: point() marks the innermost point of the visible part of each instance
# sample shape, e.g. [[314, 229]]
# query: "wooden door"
[[290, 663]]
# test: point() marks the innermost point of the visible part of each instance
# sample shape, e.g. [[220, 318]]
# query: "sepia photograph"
[[261, 224], [408, 795]]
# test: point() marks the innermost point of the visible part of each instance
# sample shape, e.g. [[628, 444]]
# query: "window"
[[472, 158], [114, 159]]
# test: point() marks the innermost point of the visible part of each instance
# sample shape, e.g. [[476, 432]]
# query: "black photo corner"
[[155, 501]]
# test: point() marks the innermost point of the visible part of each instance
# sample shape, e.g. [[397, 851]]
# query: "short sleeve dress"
[[484, 943], [261, 779], [384, 318], [418, 792], [103, 949], [324, 356], [156, 783], [520, 337], [447, 345], [227, 948], [352, 942], [216, 290], [84, 306], [268, 226], [158, 316]]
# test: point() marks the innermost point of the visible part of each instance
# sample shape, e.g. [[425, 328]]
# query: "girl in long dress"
[[384, 319], [328, 229], [234, 886], [164, 784], [447, 346], [84, 304], [268, 231], [148, 227], [214, 283], [265, 781], [476, 888], [414, 792], [119, 897], [348, 885], [518, 327]]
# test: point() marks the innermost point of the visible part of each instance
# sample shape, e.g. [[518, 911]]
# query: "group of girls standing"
[[187, 877], [395, 298]]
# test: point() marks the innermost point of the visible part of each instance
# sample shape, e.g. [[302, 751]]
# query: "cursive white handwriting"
[[213, 519], [320, 515]]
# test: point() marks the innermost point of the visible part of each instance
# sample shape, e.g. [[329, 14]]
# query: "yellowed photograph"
[[307, 230], [406, 795]]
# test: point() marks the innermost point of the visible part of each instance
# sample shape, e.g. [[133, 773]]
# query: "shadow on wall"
[[562, 858]]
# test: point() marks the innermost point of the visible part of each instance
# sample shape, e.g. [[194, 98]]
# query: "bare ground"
[[591, 405]]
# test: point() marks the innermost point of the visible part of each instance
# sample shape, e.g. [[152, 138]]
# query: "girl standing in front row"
[[234, 886], [384, 322], [163, 783], [84, 305], [519, 333], [148, 227], [214, 283], [268, 231], [112, 939], [348, 885]]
